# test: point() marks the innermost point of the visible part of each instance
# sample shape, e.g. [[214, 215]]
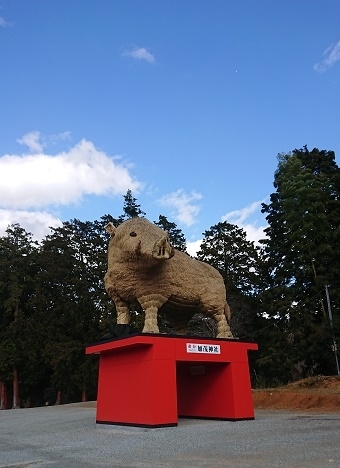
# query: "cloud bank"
[[40, 180], [31, 185], [330, 57], [36, 222]]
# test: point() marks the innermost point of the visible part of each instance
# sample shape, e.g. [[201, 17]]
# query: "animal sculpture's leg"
[[150, 324], [123, 312], [151, 304], [223, 328]]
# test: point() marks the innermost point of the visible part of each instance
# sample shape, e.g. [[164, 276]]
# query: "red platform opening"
[[150, 380]]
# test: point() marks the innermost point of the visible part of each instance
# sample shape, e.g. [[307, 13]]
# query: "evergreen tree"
[[176, 235], [131, 208], [301, 256], [226, 248], [72, 302], [17, 345]]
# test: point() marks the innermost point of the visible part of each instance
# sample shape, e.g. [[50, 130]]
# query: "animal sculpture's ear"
[[110, 229]]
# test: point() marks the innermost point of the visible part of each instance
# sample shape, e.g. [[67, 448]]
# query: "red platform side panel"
[[150, 380]]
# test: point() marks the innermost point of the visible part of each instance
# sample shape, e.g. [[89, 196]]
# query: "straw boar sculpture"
[[143, 266]]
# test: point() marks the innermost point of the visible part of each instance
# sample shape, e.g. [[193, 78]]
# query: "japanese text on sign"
[[203, 348]]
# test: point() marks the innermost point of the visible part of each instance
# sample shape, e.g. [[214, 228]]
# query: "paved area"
[[68, 437]]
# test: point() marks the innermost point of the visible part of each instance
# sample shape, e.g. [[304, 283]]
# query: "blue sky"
[[186, 103]]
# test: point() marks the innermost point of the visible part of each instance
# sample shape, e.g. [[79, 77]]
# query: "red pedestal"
[[150, 380]]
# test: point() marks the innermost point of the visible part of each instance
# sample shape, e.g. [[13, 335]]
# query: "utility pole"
[[334, 346]]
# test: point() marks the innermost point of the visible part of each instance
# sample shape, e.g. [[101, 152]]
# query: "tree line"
[[284, 293]]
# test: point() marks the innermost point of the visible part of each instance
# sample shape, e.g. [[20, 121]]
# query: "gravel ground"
[[68, 437]]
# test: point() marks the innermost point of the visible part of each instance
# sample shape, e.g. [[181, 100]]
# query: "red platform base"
[[150, 380]]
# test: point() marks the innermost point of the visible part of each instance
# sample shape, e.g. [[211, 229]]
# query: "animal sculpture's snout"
[[163, 250]]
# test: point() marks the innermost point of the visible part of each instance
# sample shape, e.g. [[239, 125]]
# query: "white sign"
[[203, 348]]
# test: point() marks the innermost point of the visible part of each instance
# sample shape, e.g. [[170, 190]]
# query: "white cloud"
[[241, 215], [184, 205], [244, 219], [55, 137], [36, 142], [254, 233], [40, 180], [194, 247], [36, 222], [330, 57], [33, 141], [140, 53]]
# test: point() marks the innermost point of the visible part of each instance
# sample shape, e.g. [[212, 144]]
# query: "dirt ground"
[[317, 394]]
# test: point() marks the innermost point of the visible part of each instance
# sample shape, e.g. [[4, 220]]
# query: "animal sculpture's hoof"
[[150, 330]]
